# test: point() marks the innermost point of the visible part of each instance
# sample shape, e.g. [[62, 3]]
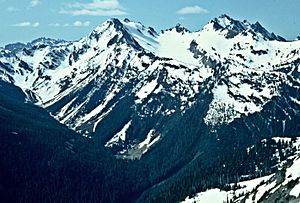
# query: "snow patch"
[[295, 191], [213, 196], [146, 90], [119, 137], [149, 141]]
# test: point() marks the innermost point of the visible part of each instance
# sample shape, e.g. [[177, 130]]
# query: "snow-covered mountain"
[[184, 101], [124, 66]]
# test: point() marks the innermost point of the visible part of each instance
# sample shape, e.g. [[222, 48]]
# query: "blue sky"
[[25, 20]]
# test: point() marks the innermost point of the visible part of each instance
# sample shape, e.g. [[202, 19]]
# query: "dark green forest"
[[43, 161]]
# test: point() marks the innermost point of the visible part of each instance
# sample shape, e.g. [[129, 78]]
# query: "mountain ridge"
[[178, 95], [121, 43]]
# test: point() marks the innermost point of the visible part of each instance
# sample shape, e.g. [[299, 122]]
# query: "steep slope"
[[42, 160], [282, 186], [101, 73], [125, 66], [247, 58]]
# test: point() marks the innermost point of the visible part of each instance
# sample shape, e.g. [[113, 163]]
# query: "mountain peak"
[[235, 27], [179, 28], [119, 31], [15, 47], [225, 22], [258, 28], [128, 21], [118, 25], [115, 22]]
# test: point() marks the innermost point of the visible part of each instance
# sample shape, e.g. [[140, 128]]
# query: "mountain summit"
[[235, 27]]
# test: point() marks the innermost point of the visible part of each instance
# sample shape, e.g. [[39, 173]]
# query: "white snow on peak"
[[175, 45], [224, 21], [146, 37], [182, 54]]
